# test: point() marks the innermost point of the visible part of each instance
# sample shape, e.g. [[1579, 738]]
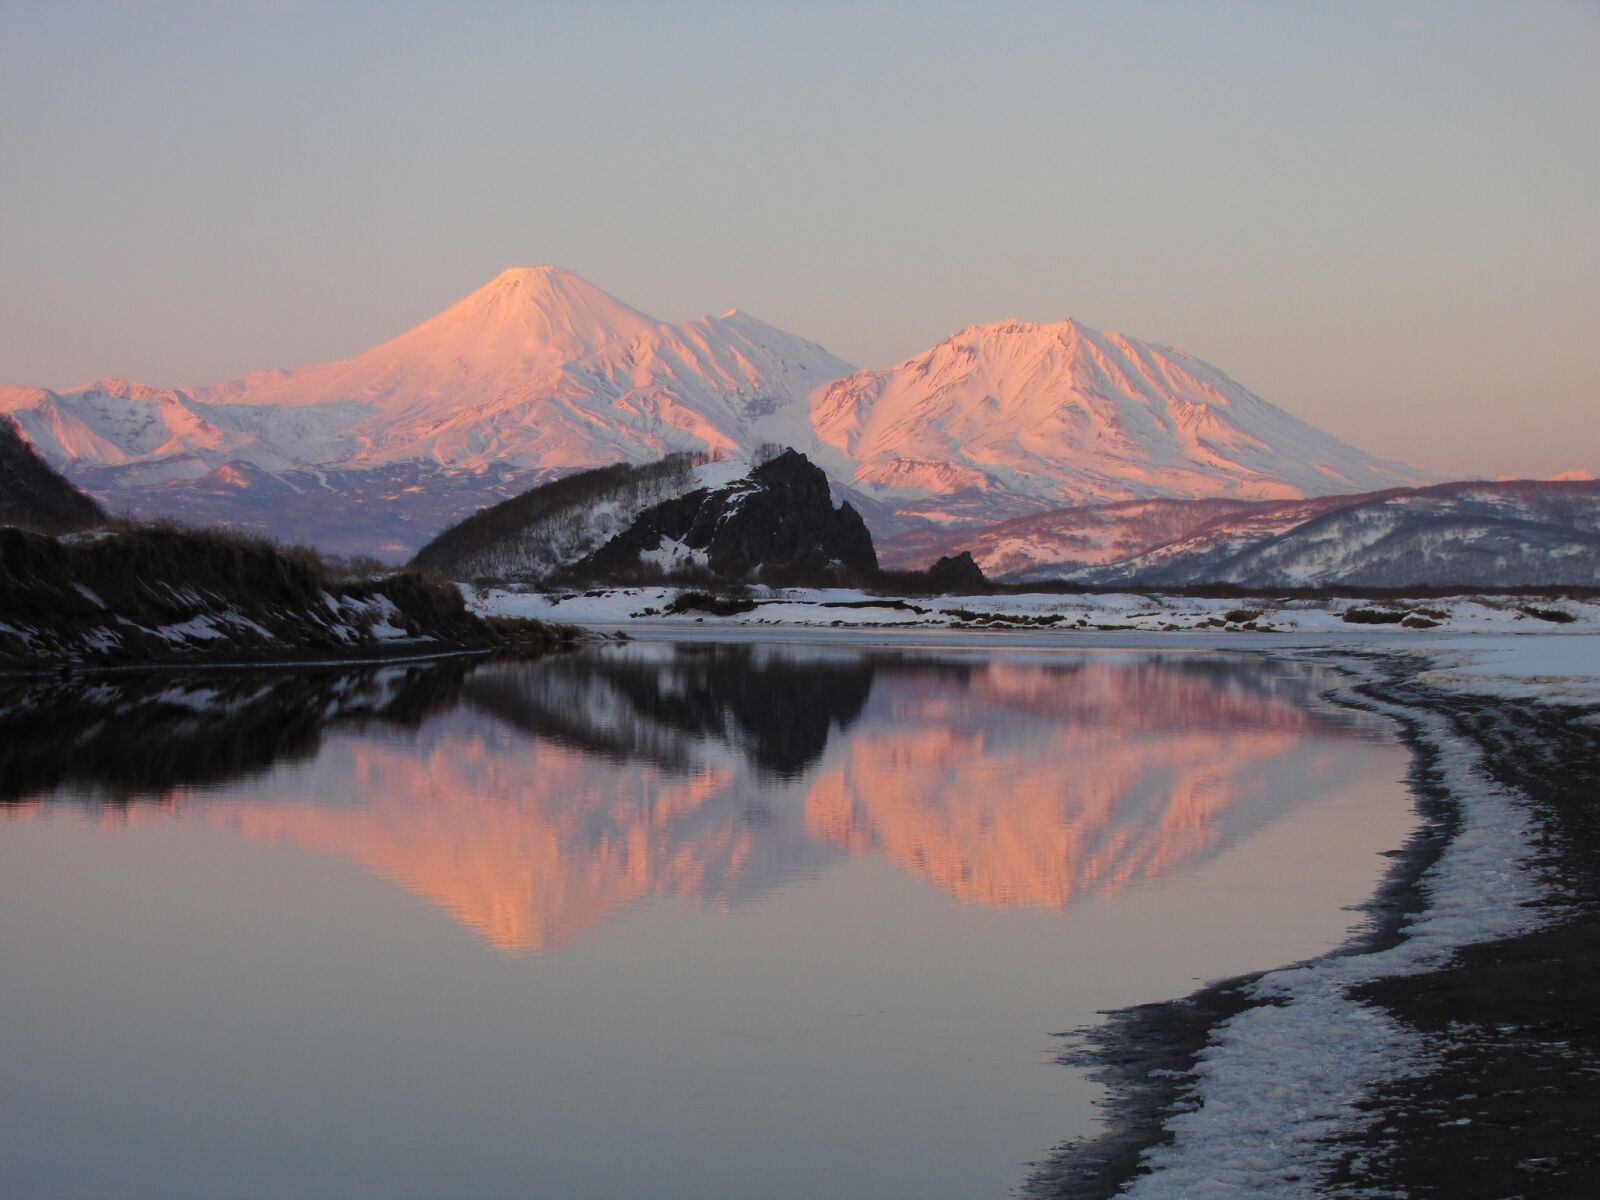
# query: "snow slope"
[[555, 525], [1015, 417]]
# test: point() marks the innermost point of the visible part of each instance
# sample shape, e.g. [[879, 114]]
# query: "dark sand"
[[1512, 1107]]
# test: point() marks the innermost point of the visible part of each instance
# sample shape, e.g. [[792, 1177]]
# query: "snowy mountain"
[[539, 373], [1006, 419], [534, 375], [1509, 533]]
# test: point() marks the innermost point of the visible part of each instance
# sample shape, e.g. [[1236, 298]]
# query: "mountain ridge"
[[539, 372]]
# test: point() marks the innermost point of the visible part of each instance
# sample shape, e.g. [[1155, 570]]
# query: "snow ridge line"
[[1280, 1081]]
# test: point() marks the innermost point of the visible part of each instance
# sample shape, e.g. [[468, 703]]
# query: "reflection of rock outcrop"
[[777, 710], [556, 793], [123, 736]]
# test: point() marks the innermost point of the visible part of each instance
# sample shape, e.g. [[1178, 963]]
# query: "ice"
[[1556, 668], [1281, 1077]]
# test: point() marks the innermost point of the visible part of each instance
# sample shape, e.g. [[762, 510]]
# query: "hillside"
[[1479, 535], [1504, 534], [134, 595], [1065, 541], [539, 373], [539, 531], [33, 495]]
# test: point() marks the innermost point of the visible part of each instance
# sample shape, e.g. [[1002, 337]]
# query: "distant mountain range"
[[1530, 533], [539, 373]]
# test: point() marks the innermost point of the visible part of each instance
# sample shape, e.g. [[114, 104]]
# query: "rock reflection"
[[532, 800], [123, 737], [776, 710]]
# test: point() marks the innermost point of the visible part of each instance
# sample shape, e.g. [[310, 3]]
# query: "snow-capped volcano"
[[520, 327], [1016, 417], [539, 372]]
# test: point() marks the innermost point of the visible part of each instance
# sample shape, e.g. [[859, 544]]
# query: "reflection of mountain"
[[556, 793], [529, 848], [1027, 784], [622, 787]]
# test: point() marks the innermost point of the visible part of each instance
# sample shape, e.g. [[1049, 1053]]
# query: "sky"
[[1382, 217]]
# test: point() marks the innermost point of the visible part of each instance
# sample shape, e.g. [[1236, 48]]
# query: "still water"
[[651, 920]]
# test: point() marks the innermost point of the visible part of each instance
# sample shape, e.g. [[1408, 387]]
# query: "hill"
[[135, 595], [1527, 533], [33, 495]]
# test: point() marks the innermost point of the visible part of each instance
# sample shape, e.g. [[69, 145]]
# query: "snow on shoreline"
[[1133, 612], [1277, 1082], [1553, 670]]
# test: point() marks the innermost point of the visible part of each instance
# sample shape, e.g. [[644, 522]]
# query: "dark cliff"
[[33, 495]]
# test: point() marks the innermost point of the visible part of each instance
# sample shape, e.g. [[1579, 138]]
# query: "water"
[[660, 921]]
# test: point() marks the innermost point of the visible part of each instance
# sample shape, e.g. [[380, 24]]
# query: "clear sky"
[[1384, 217]]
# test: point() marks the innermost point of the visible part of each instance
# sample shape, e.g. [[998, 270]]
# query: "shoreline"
[[1421, 1131], [380, 654], [1405, 620]]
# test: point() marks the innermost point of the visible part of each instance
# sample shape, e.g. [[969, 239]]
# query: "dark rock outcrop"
[[33, 495], [779, 518], [957, 573]]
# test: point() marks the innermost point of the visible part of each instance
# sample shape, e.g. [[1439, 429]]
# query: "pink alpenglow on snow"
[[1004, 419], [540, 372]]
